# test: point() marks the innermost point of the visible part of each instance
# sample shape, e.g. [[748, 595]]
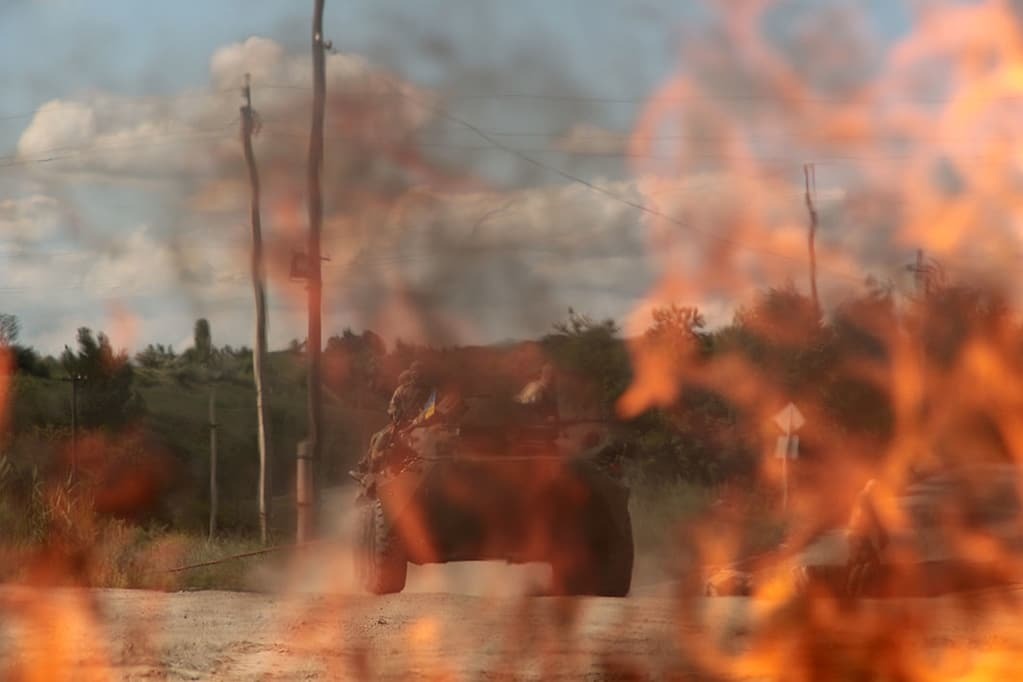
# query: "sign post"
[[789, 420]]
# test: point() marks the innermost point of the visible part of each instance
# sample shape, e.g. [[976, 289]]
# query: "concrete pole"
[[214, 499], [314, 446]]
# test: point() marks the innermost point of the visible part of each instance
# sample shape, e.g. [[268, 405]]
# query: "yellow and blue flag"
[[431, 406]]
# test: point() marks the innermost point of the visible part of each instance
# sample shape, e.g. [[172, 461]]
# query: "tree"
[[857, 394], [10, 328], [782, 335], [951, 314], [683, 320], [106, 397], [25, 359], [156, 356], [592, 352], [351, 362], [675, 337], [203, 342]]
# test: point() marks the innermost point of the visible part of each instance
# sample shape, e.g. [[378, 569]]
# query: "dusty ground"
[[207, 635], [474, 621], [124, 634]]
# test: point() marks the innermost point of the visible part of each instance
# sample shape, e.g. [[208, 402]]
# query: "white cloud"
[[489, 264], [511, 263], [586, 138], [124, 136], [261, 57], [192, 133], [140, 263], [32, 217], [57, 125]]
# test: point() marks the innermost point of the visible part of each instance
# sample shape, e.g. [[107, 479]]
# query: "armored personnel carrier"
[[451, 488]]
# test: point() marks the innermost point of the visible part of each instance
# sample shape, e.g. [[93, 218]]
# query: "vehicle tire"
[[599, 561], [380, 558], [860, 580], [617, 560]]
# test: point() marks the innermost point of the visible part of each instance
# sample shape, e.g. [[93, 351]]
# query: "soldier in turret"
[[406, 402], [540, 395], [539, 419]]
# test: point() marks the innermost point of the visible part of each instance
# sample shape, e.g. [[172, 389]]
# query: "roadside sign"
[[788, 447], [789, 419]]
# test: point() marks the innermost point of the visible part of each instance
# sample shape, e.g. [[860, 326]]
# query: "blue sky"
[[68, 49], [121, 65]]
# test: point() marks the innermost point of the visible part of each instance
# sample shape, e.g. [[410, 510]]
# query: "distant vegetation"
[[143, 446]]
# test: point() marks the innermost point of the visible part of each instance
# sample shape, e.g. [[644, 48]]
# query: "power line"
[[46, 107], [834, 158], [794, 161], [152, 135], [55, 106], [838, 100], [623, 200], [600, 135], [71, 151], [489, 136]]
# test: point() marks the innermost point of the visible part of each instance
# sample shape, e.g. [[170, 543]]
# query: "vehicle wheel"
[[860, 577], [617, 560], [380, 558], [599, 560]]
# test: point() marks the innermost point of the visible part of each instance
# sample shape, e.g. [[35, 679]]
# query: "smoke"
[[436, 233]]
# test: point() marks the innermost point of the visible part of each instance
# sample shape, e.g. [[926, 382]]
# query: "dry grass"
[[664, 514], [54, 538]]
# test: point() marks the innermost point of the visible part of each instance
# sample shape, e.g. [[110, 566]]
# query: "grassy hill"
[[175, 428], [167, 449]]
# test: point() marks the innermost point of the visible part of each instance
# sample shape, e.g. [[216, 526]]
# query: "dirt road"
[[475, 621], [309, 620], [127, 634], [223, 635]]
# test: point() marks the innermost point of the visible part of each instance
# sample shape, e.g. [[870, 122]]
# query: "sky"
[[488, 164]]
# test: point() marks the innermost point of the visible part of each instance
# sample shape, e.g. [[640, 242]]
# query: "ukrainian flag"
[[431, 406]]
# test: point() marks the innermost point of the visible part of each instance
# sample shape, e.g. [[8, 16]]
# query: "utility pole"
[[919, 270], [74, 377], [922, 285], [304, 494], [74, 425], [249, 126], [214, 501], [810, 178], [313, 343]]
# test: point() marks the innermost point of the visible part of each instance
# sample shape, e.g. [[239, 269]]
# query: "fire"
[[934, 129], [969, 125], [7, 368]]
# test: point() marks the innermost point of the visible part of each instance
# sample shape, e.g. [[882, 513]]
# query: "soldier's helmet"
[[414, 372]]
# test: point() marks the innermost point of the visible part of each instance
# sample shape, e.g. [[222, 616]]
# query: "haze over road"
[[471, 621], [134, 634], [224, 635]]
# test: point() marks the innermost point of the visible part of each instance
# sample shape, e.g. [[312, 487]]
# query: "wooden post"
[[259, 289], [74, 425], [304, 498], [314, 341], [214, 501], [810, 177], [785, 477], [920, 278]]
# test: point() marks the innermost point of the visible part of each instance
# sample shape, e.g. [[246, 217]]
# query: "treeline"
[[877, 373]]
